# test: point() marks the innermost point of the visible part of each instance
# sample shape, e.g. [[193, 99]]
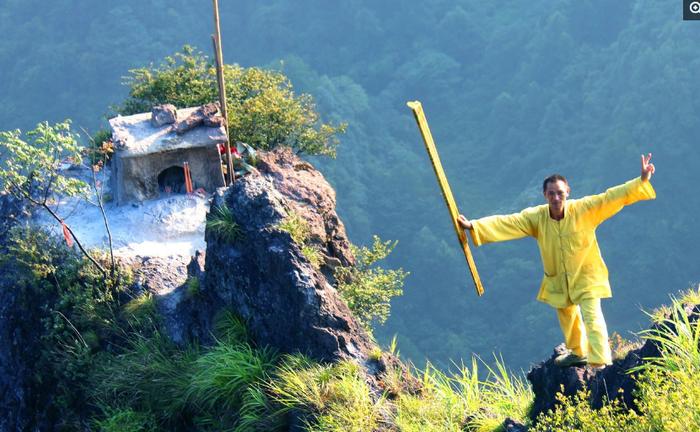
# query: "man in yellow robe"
[[575, 276]]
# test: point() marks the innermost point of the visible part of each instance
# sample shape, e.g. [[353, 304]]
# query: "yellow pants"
[[585, 332]]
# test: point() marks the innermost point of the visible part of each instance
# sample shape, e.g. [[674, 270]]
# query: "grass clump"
[[300, 232], [668, 384], [193, 286], [223, 374], [461, 401], [151, 374], [140, 309], [125, 420], [297, 228], [330, 397], [223, 224], [313, 254], [230, 328]]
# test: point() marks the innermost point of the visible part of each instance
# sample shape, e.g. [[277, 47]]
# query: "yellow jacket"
[[573, 267]]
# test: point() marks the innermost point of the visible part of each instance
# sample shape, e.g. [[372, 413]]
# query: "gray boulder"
[[163, 114]]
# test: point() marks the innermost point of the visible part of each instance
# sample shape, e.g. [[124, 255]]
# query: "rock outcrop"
[[610, 383], [264, 276]]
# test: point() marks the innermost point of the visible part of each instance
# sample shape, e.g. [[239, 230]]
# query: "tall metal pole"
[[222, 88]]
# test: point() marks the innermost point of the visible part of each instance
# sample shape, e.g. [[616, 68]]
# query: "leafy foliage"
[[31, 171], [30, 166], [367, 288], [262, 108], [575, 413]]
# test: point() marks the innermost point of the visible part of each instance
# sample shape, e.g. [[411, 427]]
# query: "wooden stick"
[[222, 87], [417, 109], [188, 178], [221, 165]]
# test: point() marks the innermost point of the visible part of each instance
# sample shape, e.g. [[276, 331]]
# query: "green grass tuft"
[[463, 402], [193, 286], [223, 224], [230, 328], [332, 397], [297, 228], [140, 309], [151, 374], [125, 420], [223, 375]]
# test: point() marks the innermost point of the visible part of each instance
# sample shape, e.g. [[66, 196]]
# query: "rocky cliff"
[[263, 274]]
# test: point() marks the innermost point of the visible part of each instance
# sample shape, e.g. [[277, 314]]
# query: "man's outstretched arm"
[[500, 227], [602, 206]]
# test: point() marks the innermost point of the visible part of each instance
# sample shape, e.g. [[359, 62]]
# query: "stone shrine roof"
[[135, 135]]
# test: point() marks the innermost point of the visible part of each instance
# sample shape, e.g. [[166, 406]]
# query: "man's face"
[[556, 194]]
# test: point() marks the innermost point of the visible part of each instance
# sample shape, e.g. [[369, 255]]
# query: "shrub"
[[367, 288], [575, 414], [262, 108]]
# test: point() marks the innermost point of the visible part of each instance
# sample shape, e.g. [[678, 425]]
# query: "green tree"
[[262, 108], [30, 170]]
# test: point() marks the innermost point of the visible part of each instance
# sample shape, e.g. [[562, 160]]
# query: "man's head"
[[556, 190]]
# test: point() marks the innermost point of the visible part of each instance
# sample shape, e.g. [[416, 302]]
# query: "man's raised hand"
[[647, 167], [464, 223]]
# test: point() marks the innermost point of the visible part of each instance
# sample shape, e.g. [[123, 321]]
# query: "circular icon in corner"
[[694, 7]]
